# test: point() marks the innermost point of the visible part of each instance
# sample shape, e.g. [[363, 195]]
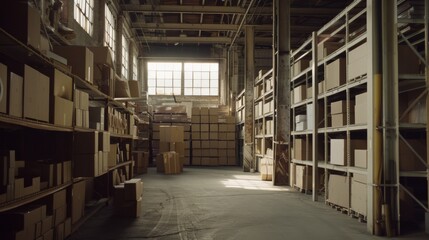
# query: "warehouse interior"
[[221, 119]]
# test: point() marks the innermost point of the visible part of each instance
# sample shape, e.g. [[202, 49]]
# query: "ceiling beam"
[[196, 9], [193, 26], [211, 40]]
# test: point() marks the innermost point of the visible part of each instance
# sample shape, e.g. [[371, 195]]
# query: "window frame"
[[125, 57], [84, 14], [158, 87], [110, 30]]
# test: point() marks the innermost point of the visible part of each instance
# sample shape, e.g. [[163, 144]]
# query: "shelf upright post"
[[426, 22], [248, 148], [390, 116], [315, 114], [281, 77], [373, 21]]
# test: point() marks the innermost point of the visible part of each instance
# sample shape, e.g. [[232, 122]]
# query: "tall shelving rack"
[[348, 113], [264, 118], [240, 111]]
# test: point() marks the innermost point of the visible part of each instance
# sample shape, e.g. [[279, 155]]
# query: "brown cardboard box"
[[205, 119], [196, 119], [113, 155], [205, 145], [4, 82], [104, 141], [47, 224], [214, 144], [357, 61], [67, 171], [303, 177], [223, 127], [130, 209], [214, 111], [134, 88], [321, 86], [359, 194], [338, 120], [196, 152], [338, 152], [361, 158], [230, 136], [205, 136], [335, 74], [230, 127], [63, 112], [223, 136], [196, 111], [196, 127], [171, 133], [22, 21], [232, 161], [230, 144], [59, 199], [78, 201], [196, 144], [299, 94], [408, 62], [196, 161], [80, 58], [338, 107], [214, 119], [49, 235], [36, 95], [59, 232], [213, 152], [204, 127], [67, 227], [62, 85], [223, 161], [133, 189], [86, 165], [84, 100], [361, 109], [326, 48], [60, 215], [223, 144], [204, 111], [196, 135], [230, 152], [86, 142], [214, 127], [300, 66], [266, 169], [214, 136], [339, 190], [16, 88]]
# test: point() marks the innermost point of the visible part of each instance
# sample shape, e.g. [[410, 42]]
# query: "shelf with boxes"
[[342, 86], [213, 137], [264, 111], [46, 117]]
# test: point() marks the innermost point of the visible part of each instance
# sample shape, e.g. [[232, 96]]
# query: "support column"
[[374, 77], [427, 101], [119, 31], [248, 158], [390, 117], [281, 75]]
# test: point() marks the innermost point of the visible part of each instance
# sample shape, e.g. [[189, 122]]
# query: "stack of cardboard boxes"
[[300, 66], [118, 153], [339, 113], [117, 121], [338, 150], [91, 153], [335, 74], [62, 99], [141, 160], [172, 140], [359, 194], [169, 163], [81, 100], [300, 122], [339, 190], [96, 118], [128, 198], [213, 138], [303, 177]]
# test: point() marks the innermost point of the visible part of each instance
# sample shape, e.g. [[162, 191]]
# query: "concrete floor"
[[224, 203]]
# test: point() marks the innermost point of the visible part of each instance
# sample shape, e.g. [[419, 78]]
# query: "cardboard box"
[[361, 158], [113, 155], [214, 136], [86, 165], [171, 133], [359, 194], [205, 127], [300, 66], [339, 190], [335, 74], [301, 126], [303, 177], [361, 109], [299, 94], [22, 21], [133, 189], [205, 136], [338, 107], [84, 100], [86, 142], [214, 127], [16, 95], [196, 135], [204, 111], [326, 48], [230, 136], [214, 119], [321, 87], [60, 214], [213, 111], [36, 95], [4, 88], [339, 120], [62, 85], [196, 127], [266, 169], [59, 199], [196, 111], [47, 224], [357, 62], [130, 209], [338, 152], [80, 58], [104, 141], [78, 201], [195, 119], [63, 112], [205, 119]]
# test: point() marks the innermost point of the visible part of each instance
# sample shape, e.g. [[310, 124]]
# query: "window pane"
[[177, 75], [151, 90], [160, 91], [188, 83], [188, 91], [205, 75], [168, 83], [214, 67], [151, 83], [197, 75], [168, 91], [160, 83], [197, 91], [177, 91], [188, 66], [214, 75], [205, 67], [177, 83], [197, 83], [196, 67], [214, 83], [205, 91], [205, 83], [214, 91], [188, 75]]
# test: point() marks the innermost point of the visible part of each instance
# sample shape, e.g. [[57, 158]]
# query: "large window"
[[125, 56], [164, 78], [110, 33], [84, 14], [201, 79], [135, 66]]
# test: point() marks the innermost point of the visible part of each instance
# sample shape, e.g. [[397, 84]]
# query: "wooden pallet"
[[339, 208], [360, 217]]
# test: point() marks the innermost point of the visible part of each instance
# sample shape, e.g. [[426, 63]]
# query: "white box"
[[338, 152], [310, 118]]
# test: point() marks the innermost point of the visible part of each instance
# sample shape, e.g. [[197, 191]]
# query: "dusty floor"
[[224, 204]]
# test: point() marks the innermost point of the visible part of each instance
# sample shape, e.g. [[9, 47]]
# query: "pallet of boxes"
[[128, 198], [213, 137], [172, 148]]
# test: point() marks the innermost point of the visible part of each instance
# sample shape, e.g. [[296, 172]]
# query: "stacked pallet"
[[213, 137]]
